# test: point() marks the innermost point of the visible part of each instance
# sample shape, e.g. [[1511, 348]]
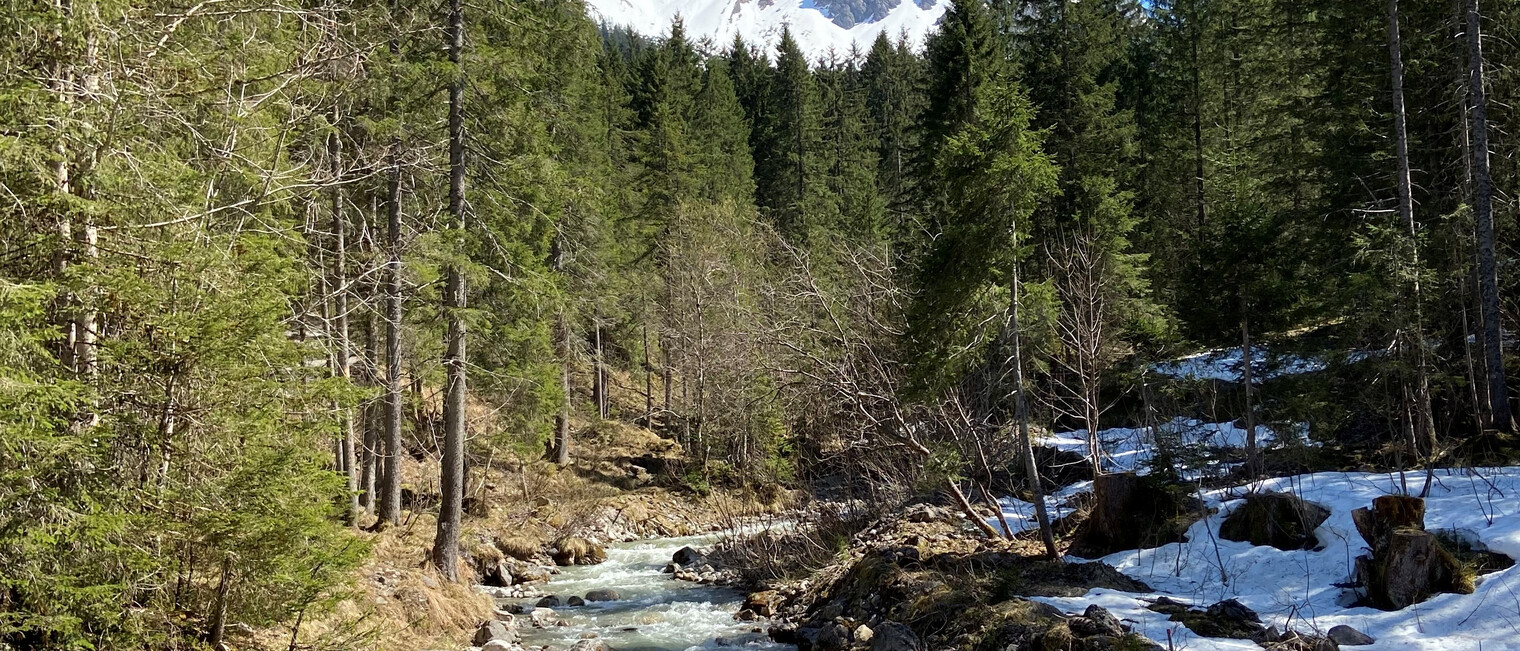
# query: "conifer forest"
[[380, 324]]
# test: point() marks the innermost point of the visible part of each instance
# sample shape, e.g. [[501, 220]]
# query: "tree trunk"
[[1488, 274], [1253, 455], [960, 499], [1021, 412], [562, 421], [217, 628], [389, 508], [446, 543], [1426, 420], [601, 371], [340, 300]]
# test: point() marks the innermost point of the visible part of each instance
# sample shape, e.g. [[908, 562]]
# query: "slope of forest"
[[281, 281]]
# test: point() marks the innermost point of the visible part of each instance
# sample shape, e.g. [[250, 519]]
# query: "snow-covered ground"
[[1295, 589], [760, 22], [1224, 365], [1130, 449]]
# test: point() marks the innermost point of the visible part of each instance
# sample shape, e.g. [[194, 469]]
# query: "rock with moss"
[[1281, 520]]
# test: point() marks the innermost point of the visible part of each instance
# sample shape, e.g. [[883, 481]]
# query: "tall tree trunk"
[[562, 421], [446, 543], [1021, 412], [1253, 454], [372, 417], [648, 378], [601, 370], [340, 301], [1426, 420], [389, 509], [217, 628], [1488, 274]]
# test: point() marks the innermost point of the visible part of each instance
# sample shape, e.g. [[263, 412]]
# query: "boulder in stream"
[[688, 556], [604, 594]]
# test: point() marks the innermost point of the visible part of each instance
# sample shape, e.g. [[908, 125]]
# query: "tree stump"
[[1407, 564]]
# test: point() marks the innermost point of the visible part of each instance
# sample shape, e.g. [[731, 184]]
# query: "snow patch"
[[1224, 365], [1295, 589]]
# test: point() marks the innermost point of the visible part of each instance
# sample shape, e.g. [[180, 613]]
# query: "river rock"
[[525, 573], [500, 645], [832, 637], [892, 636], [575, 601], [591, 645], [549, 601], [688, 556], [543, 617], [1281, 520], [1344, 635], [763, 603], [604, 594], [862, 634], [493, 630]]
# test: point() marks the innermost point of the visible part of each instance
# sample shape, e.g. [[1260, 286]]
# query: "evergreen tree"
[[789, 173]]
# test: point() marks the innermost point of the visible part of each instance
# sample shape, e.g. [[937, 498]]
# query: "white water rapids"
[[655, 613]]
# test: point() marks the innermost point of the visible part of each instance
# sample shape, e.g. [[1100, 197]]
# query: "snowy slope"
[[1295, 589], [760, 22]]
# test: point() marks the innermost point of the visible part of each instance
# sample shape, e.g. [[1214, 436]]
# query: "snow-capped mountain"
[[821, 27]]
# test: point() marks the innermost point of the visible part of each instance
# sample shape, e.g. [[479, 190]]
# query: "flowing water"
[[655, 613]]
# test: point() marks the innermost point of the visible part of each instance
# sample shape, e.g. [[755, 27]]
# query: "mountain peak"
[[821, 27]]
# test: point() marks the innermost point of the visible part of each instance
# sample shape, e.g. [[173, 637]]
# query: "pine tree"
[[848, 154], [789, 174]]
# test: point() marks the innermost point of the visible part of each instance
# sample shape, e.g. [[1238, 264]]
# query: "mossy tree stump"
[[1407, 564]]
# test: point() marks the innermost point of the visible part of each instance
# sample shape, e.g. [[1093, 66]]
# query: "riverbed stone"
[[500, 645], [575, 601], [892, 636], [604, 594], [549, 601], [543, 617], [688, 556], [493, 630], [763, 603], [832, 637]]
